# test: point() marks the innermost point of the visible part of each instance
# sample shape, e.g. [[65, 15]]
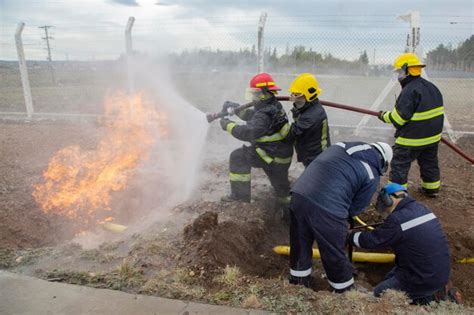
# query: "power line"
[[47, 38]]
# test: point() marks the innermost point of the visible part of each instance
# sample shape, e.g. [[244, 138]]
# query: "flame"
[[78, 183]]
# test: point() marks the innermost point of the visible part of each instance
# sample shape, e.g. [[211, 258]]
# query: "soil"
[[246, 244], [204, 236]]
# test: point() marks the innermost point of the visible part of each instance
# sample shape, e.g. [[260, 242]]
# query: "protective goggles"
[[296, 97], [257, 94]]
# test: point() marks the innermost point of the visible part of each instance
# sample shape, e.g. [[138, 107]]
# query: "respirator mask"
[[298, 100]]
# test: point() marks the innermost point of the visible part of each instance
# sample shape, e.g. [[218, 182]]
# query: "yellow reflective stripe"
[[438, 111], [396, 116], [230, 126], [270, 83], [418, 142], [268, 159], [404, 185], [277, 136], [324, 135], [280, 160], [432, 185], [386, 118], [234, 177]]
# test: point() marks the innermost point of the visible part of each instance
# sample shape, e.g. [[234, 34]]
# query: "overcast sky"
[[86, 29]]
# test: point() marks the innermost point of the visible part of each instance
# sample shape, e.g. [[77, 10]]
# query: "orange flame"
[[78, 183]]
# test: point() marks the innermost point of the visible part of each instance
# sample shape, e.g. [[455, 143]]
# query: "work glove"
[[228, 107], [295, 113], [224, 122], [380, 115]]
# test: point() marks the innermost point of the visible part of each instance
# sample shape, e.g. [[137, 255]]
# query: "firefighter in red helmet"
[[266, 130]]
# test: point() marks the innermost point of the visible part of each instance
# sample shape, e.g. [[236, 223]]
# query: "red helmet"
[[262, 80]]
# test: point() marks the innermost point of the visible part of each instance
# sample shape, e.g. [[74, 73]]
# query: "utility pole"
[[47, 38]]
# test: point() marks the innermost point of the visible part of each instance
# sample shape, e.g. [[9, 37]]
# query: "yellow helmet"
[[407, 60], [307, 85]]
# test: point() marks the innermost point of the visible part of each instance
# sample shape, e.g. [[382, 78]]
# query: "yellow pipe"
[[356, 256], [466, 261], [113, 227], [362, 222]]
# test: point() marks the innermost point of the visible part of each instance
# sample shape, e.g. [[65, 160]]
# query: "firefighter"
[[422, 264], [310, 131], [266, 129], [418, 117], [335, 187]]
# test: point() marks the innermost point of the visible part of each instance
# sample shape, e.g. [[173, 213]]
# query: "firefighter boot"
[[240, 191], [308, 281]]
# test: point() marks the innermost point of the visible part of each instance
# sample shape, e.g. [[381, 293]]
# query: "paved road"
[[21, 294]]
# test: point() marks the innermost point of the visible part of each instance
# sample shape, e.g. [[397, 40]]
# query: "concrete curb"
[[21, 294]]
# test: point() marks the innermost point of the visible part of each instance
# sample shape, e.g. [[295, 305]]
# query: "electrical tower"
[[47, 38]]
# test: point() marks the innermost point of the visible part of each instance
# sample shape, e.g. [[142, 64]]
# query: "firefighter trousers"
[[427, 159], [309, 223], [240, 163]]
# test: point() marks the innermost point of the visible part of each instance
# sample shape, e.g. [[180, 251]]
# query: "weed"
[[396, 298], [129, 276], [229, 276], [164, 286], [447, 308], [7, 258], [286, 303], [251, 301]]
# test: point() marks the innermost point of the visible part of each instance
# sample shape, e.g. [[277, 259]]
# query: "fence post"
[[260, 46], [129, 54], [25, 81]]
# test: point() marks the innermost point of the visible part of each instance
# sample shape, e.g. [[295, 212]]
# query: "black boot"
[[307, 281]]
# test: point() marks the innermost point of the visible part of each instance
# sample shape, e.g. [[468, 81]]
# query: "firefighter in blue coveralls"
[[422, 263], [335, 187]]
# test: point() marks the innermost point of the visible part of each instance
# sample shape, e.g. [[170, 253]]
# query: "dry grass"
[[229, 276], [251, 301]]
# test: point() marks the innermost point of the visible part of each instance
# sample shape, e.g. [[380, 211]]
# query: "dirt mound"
[[205, 222], [212, 245]]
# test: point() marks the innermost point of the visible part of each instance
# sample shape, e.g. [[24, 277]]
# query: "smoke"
[[170, 176]]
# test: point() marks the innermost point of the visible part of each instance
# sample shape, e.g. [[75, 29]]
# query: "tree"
[[364, 59]]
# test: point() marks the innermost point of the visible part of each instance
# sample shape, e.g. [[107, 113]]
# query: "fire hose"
[[452, 146]]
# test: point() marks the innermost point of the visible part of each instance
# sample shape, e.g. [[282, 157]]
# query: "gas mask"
[[401, 74], [257, 94], [298, 100]]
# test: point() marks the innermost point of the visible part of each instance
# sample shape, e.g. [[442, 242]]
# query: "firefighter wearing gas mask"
[[418, 117], [266, 130], [309, 131]]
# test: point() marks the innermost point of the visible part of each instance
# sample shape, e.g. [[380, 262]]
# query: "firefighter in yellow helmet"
[[418, 117], [309, 131]]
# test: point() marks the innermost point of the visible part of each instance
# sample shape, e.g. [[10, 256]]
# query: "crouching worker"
[[336, 186], [422, 263]]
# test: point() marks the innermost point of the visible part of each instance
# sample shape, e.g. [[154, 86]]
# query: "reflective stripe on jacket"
[[343, 179], [420, 245], [418, 114], [266, 129]]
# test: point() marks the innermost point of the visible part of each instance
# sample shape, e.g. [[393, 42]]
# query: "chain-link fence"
[[211, 60]]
